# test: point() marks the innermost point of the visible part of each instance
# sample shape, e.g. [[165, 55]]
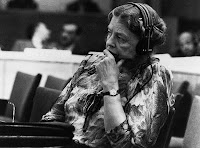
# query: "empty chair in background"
[[56, 83], [165, 133], [191, 137], [43, 100], [21, 98], [182, 110]]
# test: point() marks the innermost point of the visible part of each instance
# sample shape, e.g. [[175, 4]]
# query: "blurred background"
[[180, 15]]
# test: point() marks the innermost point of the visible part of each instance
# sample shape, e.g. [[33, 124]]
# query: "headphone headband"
[[147, 19]]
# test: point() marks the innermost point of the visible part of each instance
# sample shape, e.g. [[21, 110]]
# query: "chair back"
[[182, 110], [43, 101], [22, 95], [192, 133], [165, 132], [56, 83]]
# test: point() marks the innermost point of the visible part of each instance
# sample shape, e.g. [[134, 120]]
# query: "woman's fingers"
[[108, 54]]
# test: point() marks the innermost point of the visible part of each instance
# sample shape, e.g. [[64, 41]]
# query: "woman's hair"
[[130, 15]]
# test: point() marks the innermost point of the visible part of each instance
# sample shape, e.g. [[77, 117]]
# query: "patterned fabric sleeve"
[[147, 111], [57, 112]]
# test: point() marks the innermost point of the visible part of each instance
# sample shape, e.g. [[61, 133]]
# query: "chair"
[[182, 110], [56, 83], [21, 98], [191, 138], [166, 131], [43, 100]]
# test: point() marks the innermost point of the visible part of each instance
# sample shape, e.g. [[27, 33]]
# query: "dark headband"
[[147, 18]]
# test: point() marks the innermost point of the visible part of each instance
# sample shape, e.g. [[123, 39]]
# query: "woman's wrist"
[[114, 113], [112, 99], [108, 86]]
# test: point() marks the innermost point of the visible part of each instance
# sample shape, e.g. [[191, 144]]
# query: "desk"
[[60, 64], [35, 134]]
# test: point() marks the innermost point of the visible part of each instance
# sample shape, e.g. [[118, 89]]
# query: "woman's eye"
[[121, 39]]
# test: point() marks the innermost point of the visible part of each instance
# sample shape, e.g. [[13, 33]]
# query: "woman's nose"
[[110, 42]]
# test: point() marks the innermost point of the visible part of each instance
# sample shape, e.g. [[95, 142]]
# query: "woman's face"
[[120, 40]]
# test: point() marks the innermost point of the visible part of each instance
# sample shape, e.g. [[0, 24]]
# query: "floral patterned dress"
[[145, 96]]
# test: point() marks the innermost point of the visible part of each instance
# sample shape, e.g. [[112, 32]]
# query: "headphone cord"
[[149, 37], [139, 88]]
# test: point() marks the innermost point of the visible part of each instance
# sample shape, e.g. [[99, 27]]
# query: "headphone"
[[144, 46]]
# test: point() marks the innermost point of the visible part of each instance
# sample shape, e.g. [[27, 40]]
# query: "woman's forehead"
[[118, 25]]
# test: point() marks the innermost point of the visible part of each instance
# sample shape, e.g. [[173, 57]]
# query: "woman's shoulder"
[[160, 69]]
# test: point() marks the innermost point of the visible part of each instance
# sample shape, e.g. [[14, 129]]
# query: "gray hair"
[[130, 15]]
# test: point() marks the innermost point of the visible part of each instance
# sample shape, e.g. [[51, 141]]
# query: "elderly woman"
[[120, 98]]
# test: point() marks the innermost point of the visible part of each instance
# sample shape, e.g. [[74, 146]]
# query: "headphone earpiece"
[[144, 45]]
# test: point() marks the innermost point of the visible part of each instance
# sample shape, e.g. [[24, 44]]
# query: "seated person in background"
[[186, 45], [37, 35], [119, 98], [69, 38], [83, 6], [22, 4]]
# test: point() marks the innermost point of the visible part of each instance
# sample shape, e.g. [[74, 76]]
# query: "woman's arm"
[[113, 112], [108, 73], [147, 113]]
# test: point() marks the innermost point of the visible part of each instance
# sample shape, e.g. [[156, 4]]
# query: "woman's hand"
[[108, 72]]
